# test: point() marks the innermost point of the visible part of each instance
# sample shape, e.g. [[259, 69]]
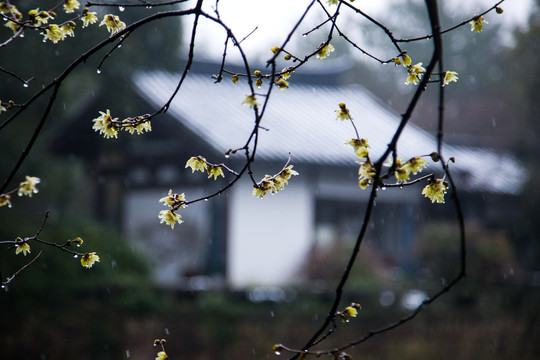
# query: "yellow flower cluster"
[[5, 200], [22, 248], [88, 17], [366, 172], [174, 202], [113, 23], [477, 24], [162, 355], [25, 188], [89, 259], [343, 113], [324, 51], [106, 125], [199, 163], [349, 312], [435, 190], [273, 183], [170, 218], [28, 187], [413, 166], [360, 147], [138, 124], [450, 76], [38, 18], [286, 73], [406, 60], [109, 126], [58, 32], [71, 5], [251, 101], [415, 73], [12, 12]]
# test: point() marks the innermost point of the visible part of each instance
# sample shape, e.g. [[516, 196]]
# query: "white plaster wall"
[[269, 237]]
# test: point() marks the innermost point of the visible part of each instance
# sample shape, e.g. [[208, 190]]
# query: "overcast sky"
[[274, 18]]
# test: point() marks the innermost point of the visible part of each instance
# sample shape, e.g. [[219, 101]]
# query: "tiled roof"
[[301, 120]]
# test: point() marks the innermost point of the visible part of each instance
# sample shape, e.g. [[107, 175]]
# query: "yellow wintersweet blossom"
[[360, 147], [324, 51], [415, 165], [10, 10], [89, 259], [332, 2], [22, 248], [478, 23], [350, 311], [273, 183], [105, 125], [13, 26], [282, 84], [415, 74], [54, 33], [435, 190], [162, 355], [145, 126], [286, 174], [173, 200], [401, 174], [197, 163], [259, 191], [113, 23], [406, 60], [28, 187], [450, 76], [214, 171], [71, 5], [5, 199], [88, 17], [67, 29], [170, 218], [139, 129], [343, 113], [251, 101], [37, 17], [366, 171], [275, 49], [285, 73]]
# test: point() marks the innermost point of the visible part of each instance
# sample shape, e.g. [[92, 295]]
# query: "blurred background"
[[236, 278]]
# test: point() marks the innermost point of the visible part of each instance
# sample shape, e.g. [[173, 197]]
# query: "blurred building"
[[237, 240]]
